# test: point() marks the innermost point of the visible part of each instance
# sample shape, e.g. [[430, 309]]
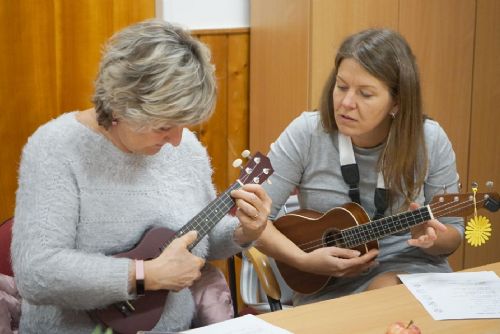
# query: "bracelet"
[[139, 277]]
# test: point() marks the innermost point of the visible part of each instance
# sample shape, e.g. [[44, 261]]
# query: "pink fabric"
[[212, 297], [5, 240], [10, 305]]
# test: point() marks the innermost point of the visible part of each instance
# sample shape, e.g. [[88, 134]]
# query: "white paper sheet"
[[464, 295], [248, 324]]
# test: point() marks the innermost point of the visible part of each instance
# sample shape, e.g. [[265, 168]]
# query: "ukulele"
[[349, 226], [142, 314]]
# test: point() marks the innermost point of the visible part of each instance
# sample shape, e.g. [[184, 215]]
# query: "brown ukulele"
[[142, 314], [349, 226]]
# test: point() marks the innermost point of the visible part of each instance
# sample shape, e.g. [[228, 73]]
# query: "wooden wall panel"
[[237, 100], [49, 56], [82, 28], [226, 134], [213, 133], [26, 85], [484, 162], [331, 22], [279, 63], [441, 34]]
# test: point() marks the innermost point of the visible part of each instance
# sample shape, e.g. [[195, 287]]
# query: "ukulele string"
[[438, 209]]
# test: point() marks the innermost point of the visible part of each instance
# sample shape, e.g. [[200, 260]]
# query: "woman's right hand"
[[337, 262], [176, 268]]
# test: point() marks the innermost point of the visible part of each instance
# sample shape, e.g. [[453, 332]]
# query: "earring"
[[394, 112]]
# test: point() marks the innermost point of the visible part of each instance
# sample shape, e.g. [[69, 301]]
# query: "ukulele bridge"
[[125, 308]]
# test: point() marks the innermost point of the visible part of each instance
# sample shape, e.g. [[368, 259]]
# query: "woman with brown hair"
[[370, 144]]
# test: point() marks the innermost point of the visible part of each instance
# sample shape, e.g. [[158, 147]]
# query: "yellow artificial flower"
[[478, 231]]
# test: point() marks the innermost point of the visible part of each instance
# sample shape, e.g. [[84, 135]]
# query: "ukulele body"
[[144, 312], [311, 230]]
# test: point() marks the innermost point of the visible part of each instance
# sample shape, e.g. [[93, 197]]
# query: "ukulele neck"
[[377, 229], [204, 221]]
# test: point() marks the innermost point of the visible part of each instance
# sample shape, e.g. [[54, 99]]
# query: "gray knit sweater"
[[80, 199], [306, 157]]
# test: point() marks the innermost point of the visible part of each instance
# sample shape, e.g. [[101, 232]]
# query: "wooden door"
[[484, 156]]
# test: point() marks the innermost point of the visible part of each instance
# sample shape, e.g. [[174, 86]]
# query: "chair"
[[261, 285], [5, 241]]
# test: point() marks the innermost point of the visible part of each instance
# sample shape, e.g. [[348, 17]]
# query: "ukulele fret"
[[347, 237]]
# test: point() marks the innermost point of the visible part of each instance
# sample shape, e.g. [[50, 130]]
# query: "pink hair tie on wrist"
[[139, 277]]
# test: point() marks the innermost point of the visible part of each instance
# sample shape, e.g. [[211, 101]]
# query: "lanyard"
[[350, 173]]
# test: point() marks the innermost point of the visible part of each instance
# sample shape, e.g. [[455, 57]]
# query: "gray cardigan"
[[80, 199], [306, 157]]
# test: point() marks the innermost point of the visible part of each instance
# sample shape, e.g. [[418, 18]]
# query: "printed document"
[[463, 295]]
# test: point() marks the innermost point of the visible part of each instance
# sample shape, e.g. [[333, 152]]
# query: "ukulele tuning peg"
[[489, 184], [474, 185], [245, 153], [459, 183], [237, 163]]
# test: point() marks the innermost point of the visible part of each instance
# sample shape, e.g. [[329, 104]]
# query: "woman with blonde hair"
[[92, 182]]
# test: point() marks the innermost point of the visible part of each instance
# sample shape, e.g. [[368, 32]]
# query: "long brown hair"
[[386, 55]]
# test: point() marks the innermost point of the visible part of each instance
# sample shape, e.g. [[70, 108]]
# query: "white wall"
[[205, 14]]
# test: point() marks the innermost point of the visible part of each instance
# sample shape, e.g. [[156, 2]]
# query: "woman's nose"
[[174, 137], [348, 101]]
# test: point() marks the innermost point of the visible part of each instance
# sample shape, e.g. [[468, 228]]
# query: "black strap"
[[380, 203], [350, 173]]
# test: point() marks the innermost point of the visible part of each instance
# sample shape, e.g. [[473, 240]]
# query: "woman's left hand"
[[424, 235], [253, 208]]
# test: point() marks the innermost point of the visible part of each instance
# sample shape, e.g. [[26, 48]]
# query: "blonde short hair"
[[154, 73]]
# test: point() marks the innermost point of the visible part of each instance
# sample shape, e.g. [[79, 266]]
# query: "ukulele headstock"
[[257, 170], [463, 204]]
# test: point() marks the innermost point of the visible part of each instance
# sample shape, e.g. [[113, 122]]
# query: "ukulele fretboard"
[[377, 229], [204, 221]]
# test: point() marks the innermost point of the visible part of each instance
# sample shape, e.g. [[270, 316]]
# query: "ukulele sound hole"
[[332, 238]]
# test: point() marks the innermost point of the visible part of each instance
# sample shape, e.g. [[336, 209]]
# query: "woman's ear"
[[394, 111]]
